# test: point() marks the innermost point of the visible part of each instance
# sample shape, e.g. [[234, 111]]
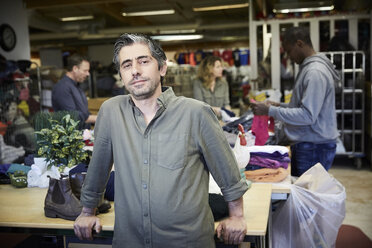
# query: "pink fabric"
[[260, 129], [24, 94]]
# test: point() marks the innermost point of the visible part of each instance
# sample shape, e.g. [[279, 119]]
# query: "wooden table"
[[22, 210]]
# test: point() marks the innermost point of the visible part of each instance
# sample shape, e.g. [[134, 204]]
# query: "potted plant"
[[62, 144]]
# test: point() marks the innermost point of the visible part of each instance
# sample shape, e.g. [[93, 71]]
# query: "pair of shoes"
[[60, 202], [77, 181], [18, 179]]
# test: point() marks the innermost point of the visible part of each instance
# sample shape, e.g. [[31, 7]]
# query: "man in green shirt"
[[163, 147]]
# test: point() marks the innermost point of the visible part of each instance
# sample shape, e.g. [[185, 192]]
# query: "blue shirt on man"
[[67, 95]]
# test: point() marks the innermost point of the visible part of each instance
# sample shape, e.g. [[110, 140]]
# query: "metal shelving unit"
[[350, 102]]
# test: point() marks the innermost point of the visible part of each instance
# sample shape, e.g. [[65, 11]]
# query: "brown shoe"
[[60, 202]]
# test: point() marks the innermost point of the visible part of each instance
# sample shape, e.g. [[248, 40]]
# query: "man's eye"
[[126, 66], [144, 61]]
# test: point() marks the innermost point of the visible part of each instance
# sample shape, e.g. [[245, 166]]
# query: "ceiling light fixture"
[[76, 18], [220, 7], [324, 8], [181, 31], [177, 37], [150, 13]]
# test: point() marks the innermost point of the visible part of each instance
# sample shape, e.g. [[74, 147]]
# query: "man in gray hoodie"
[[310, 117]]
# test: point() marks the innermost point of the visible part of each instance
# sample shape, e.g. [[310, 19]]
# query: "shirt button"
[[147, 241], [145, 136], [145, 215], [144, 186], [145, 161]]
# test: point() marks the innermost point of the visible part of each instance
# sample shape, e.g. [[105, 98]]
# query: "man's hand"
[[260, 108], [232, 230], [91, 119], [85, 223], [271, 103]]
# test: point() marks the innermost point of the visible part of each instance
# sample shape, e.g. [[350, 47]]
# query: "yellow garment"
[[24, 107]]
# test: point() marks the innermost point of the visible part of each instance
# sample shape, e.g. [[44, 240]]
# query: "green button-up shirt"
[[161, 171], [217, 98]]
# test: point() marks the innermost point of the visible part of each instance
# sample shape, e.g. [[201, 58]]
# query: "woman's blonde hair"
[[205, 70]]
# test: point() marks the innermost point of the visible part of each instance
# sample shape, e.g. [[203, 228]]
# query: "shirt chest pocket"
[[171, 150]]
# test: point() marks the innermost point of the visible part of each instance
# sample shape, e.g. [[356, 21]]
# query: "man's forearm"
[[236, 208], [91, 119]]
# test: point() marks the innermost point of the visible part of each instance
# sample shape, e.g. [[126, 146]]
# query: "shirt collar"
[[72, 81], [164, 99]]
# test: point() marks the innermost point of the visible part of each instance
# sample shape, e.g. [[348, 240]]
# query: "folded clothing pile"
[[267, 163]]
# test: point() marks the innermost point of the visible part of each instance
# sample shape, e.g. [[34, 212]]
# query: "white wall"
[[13, 13]]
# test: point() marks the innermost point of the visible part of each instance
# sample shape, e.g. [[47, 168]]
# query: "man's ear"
[[300, 43], [163, 70], [75, 68]]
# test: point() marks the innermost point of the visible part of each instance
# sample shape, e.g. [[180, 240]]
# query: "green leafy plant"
[[62, 144]]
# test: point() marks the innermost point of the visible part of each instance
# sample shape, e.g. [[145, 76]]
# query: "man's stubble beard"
[[143, 94]]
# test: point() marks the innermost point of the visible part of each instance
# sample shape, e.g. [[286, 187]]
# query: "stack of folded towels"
[[267, 163]]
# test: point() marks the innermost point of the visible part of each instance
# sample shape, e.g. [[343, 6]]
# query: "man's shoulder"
[[63, 83], [189, 104], [116, 101]]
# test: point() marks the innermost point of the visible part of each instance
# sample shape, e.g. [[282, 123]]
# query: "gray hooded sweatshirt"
[[310, 116]]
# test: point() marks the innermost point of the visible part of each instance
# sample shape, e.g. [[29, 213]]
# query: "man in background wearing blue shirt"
[[67, 95]]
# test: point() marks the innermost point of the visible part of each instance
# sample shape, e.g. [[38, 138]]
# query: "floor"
[[358, 185]]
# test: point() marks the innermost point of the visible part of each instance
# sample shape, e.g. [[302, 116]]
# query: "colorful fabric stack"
[[267, 163]]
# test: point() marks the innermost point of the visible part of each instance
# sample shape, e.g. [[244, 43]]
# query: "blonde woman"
[[210, 86]]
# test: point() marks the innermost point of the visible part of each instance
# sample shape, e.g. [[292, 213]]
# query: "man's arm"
[[91, 119], [85, 223], [234, 228]]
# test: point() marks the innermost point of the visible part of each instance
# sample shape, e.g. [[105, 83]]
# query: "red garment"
[[260, 129], [192, 58], [228, 57], [216, 53]]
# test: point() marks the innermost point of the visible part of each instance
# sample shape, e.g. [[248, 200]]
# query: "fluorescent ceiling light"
[[150, 13], [76, 18], [220, 7], [177, 37], [233, 38], [87, 36], [324, 8], [182, 31]]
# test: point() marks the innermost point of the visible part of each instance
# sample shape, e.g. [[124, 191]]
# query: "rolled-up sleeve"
[[219, 157]]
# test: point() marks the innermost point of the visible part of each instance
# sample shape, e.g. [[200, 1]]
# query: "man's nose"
[[135, 69]]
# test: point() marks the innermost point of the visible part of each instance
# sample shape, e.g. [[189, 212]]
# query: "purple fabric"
[[4, 168], [267, 163], [275, 156]]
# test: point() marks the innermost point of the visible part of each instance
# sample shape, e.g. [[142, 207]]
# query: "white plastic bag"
[[313, 212], [39, 174]]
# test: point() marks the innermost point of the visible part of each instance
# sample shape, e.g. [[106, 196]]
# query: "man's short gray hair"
[[129, 39]]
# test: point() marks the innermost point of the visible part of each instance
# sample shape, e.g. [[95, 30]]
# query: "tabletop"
[[24, 208]]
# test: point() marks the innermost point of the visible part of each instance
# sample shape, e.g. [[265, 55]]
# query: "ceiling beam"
[[35, 20], [41, 4], [110, 32], [114, 10]]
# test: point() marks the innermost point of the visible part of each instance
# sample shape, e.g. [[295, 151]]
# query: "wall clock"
[[8, 37]]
